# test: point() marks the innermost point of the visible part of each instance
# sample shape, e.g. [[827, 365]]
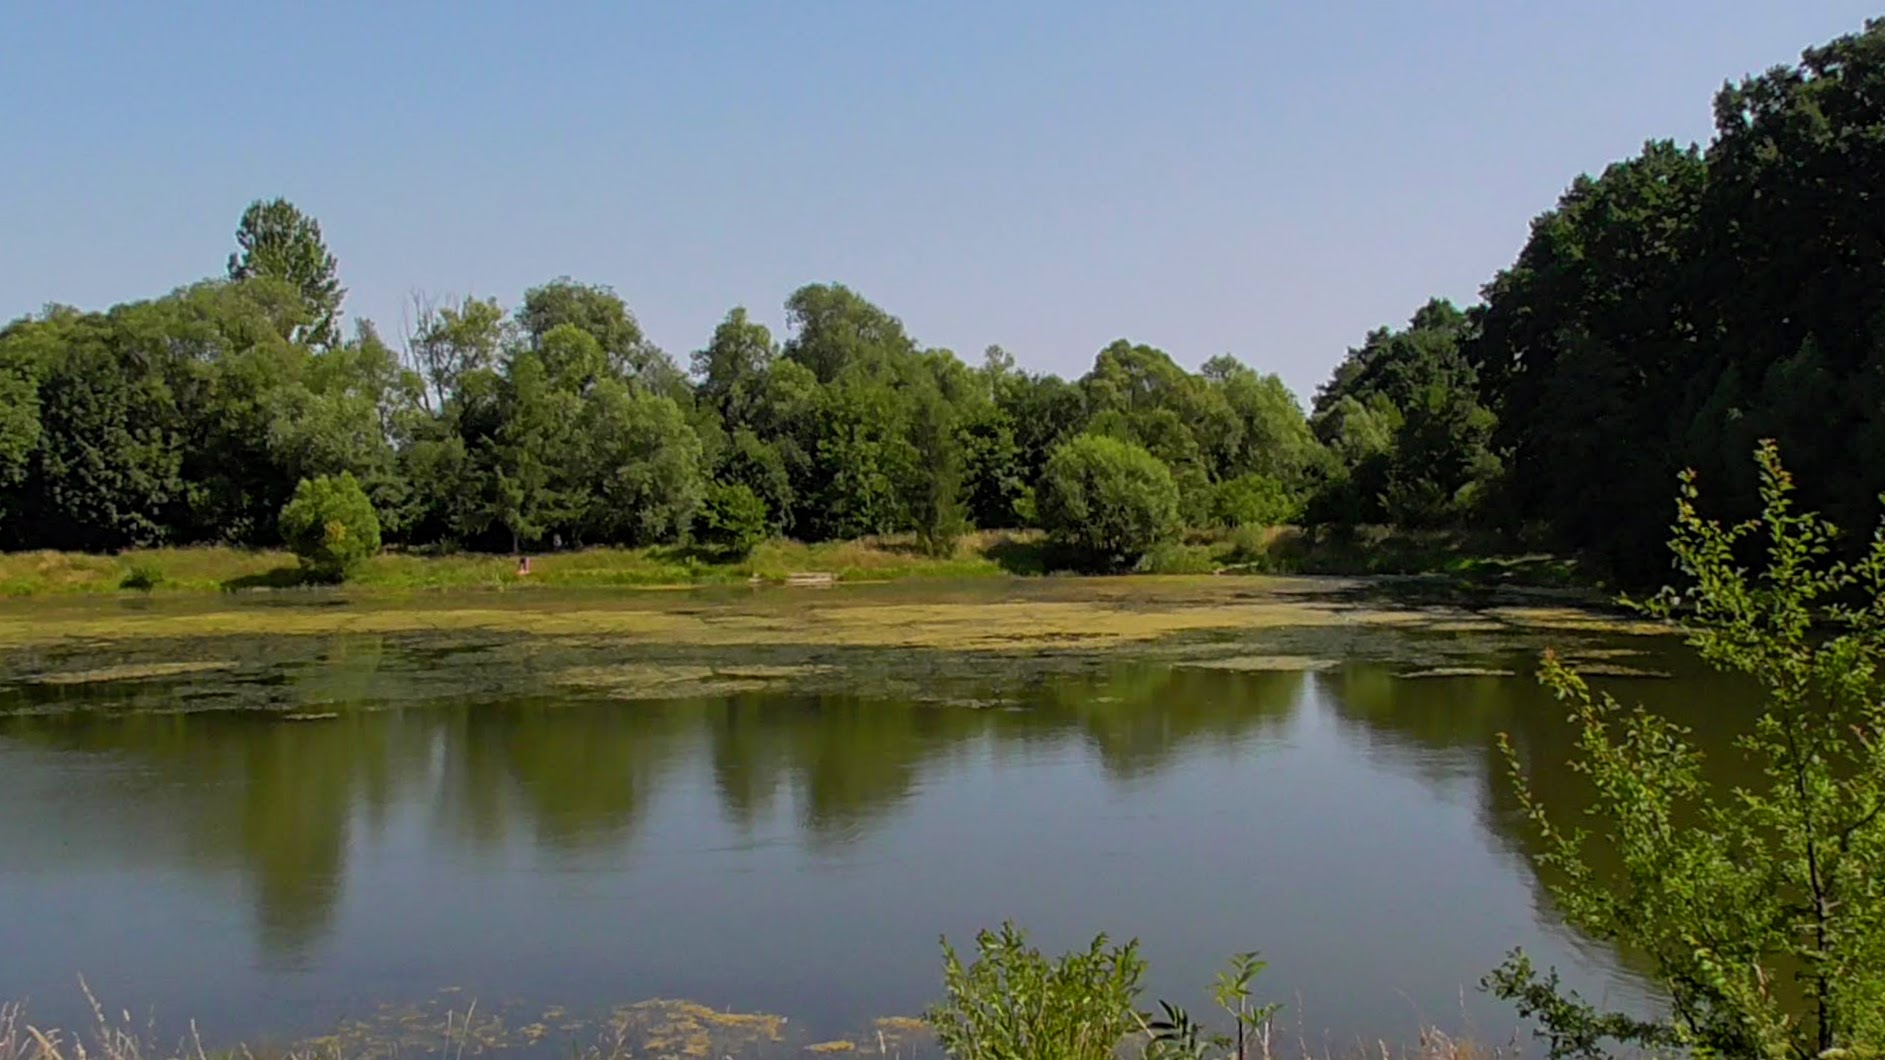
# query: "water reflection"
[[280, 798], [461, 791]]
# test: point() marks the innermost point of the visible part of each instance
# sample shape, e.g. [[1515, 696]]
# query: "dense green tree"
[[995, 477], [1407, 438], [449, 342], [1359, 440], [108, 469], [760, 466], [1793, 318], [331, 526], [446, 503], [233, 376], [600, 313], [1441, 465], [732, 518], [527, 457], [1045, 411], [275, 240], [639, 469], [573, 359], [1254, 499], [934, 492], [1136, 378], [1107, 501], [836, 329], [1587, 345], [861, 460], [1271, 436], [20, 431], [1139, 395], [732, 368], [1401, 364]]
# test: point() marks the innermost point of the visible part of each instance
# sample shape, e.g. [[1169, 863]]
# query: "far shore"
[[1454, 558]]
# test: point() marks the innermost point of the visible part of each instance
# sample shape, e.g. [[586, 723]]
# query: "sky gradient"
[[1265, 179]]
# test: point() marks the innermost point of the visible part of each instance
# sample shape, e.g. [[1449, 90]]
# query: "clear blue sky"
[[1263, 178]]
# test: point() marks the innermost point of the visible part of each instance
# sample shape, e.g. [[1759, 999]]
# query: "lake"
[[279, 815]]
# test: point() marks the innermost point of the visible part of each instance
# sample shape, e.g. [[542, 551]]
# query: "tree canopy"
[[1666, 312], [276, 241]]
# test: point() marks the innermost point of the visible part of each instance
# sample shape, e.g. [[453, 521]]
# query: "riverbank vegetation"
[[1442, 558], [1760, 911], [1664, 314]]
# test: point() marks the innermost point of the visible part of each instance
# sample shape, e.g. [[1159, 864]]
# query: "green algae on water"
[[1264, 663], [677, 681], [131, 672]]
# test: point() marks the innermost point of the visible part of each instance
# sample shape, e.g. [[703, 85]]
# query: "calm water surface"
[[465, 823]]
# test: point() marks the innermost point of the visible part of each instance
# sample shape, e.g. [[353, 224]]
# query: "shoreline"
[[1443, 559]]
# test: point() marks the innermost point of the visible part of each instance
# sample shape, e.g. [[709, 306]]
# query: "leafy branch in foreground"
[[1014, 1003], [1760, 911]]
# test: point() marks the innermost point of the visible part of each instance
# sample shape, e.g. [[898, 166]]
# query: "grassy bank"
[[1451, 557], [213, 569]]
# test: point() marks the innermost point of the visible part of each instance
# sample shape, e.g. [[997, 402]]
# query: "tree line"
[[1665, 313], [556, 423]]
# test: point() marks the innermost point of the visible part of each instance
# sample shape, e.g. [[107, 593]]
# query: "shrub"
[[1014, 1002], [1727, 894], [1174, 558], [331, 526], [733, 519], [142, 576], [1106, 501], [1253, 500]]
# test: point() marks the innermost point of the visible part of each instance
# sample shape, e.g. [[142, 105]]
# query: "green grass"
[[213, 568], [1451, 558]]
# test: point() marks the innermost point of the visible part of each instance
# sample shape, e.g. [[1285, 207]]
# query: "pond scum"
[[1094, 613], [447, 1026], [958, 644]]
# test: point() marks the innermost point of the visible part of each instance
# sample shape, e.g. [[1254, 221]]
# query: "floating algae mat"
[[132, 672], [1265, 663], [1002, 616], [451, 1024], [1458, 671], [1610, 669], [319, 653], [668, 681]]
